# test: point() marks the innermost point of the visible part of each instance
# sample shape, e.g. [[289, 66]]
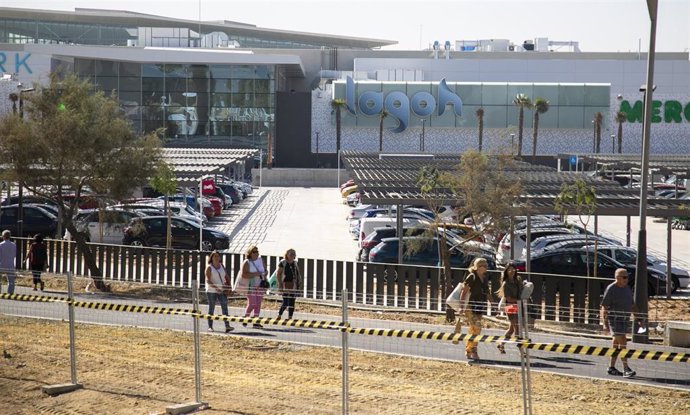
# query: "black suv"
[[36, 220], [151, 231]]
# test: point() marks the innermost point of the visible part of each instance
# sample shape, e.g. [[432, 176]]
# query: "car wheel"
[[206, 246], [675, 283], [137, 242]]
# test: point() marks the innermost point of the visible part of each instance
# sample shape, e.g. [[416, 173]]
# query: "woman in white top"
[[217, 282], [254, 270]]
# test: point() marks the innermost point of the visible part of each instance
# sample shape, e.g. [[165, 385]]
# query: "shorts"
[[619, 326]]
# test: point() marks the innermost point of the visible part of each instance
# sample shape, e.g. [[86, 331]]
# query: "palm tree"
[[521, 101], [621, 117], [540, 106], [480, 122], [382, 116], [598, 117], [337, 104]]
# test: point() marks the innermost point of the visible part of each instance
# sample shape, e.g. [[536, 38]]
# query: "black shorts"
[[619, 326]]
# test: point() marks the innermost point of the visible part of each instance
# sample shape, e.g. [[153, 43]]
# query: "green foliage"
[[164, 180], [71, 140], [577, 198]]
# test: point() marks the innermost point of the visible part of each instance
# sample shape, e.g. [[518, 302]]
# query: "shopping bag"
[[453, 301], [527, 289], [241, 285], [273, 282]]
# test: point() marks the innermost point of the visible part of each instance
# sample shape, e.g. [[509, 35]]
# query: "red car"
[[217, 205]]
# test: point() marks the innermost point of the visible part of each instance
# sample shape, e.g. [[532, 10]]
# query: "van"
[[367, 225]]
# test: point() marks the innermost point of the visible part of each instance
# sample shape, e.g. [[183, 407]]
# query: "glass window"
[[132, 83], [84, 67], [495, 94], [572, 95], [106, 68], [130, 69], [153, 70]]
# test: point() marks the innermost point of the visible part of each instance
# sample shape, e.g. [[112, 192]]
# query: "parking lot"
[[312, 221]]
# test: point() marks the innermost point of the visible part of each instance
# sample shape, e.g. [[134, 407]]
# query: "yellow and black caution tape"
[[398, 333], [34, 298]]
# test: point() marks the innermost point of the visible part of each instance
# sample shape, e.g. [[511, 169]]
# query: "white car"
[[503, 254], [110, 228], [359, 210]]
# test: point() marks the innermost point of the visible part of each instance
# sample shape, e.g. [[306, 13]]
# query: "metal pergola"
[[190, 164]]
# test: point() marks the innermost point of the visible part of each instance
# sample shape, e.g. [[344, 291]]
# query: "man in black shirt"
[[616, 306]]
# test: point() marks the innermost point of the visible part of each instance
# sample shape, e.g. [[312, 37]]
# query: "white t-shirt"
[[217, 279]]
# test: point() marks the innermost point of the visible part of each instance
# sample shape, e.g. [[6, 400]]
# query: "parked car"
[[627, 255], [575, 262], [152, 231], [504, 256], [36, 220], [231, 191], [348, 190], [425, 252], [545, 241], [359, 210], [106, 226]]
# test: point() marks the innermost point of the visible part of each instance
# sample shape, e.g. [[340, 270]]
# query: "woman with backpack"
[[37, 257]]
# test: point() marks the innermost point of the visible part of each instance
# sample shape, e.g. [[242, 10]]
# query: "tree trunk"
[[446, 281], [481, 133], [521, 123], [89, 258], [534, 136], [620, 137]]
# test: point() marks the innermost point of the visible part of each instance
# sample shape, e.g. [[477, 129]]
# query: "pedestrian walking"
[[477, 287], [510, 291], [616, 306], [289, 282], [37, 258], [8, 259], [217, 286], [254, 272]]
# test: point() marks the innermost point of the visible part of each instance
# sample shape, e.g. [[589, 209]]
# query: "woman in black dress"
[[289, 282]]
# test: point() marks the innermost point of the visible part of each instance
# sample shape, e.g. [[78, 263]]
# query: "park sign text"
[[398, 105], [673, 111]]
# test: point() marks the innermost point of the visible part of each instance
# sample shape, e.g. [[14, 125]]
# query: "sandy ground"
[[136, 371]]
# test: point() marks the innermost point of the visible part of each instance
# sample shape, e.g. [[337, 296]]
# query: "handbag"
[[264, 283], [241, 284], [454, 301], [273, 281]]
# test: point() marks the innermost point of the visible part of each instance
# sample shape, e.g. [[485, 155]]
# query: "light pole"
[[20, 195], [512, 144], [594, 137], [613, 143], [317, 149], [640, 333], [421, 137]]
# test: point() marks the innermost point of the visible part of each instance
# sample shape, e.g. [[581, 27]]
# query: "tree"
[[540, 106], [483, 189], [382, 116], [581, 199], [621, 117], [521, 101], [598, 118], [72, 140], [480, 124], [337, 105], [164, 182]]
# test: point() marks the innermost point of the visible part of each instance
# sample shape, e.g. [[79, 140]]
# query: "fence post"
[[523, 317], [184, 408], [345, 363], [54, 390]]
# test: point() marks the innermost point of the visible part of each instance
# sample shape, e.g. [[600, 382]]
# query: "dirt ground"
[[136, 371]]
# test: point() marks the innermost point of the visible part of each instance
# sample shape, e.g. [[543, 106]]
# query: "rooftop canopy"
[[389, 179], [190, 164]]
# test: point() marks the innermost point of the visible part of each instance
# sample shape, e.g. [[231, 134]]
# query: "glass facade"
[[233, 105]]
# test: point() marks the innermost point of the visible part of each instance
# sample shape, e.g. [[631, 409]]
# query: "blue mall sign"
[[398, 104], [12, 62]]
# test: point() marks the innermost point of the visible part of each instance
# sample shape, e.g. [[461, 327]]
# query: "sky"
[[598, 25]]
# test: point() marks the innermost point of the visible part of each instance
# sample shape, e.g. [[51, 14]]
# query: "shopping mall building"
[[225, 84]]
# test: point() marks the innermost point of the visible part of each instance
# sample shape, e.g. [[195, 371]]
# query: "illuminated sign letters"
[[398, 104]]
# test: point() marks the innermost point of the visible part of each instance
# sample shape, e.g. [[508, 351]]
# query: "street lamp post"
[[421, 137], [20, 194], [640, 333], [317, 149]]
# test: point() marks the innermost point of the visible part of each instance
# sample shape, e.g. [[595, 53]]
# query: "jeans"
[[288, 303], [223, 300], [11, 275]]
